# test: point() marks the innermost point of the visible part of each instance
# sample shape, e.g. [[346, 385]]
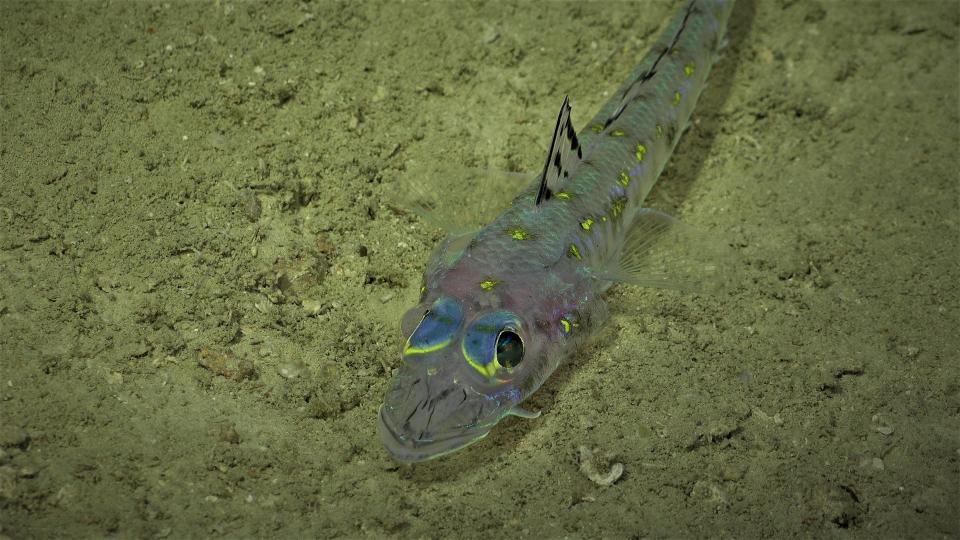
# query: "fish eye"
[[509, 349], [493, 342]]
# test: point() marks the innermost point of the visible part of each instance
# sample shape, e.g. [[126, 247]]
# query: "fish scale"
[[503, 307]]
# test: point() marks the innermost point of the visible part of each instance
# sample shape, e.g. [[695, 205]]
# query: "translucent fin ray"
[[661, 252], [456, 198], [520, 412]]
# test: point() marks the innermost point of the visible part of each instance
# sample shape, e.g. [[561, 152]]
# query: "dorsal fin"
[[562, 158]]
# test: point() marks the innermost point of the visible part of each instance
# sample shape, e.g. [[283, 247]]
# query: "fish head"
[[463, 370]]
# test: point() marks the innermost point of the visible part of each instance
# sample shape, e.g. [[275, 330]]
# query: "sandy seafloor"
[[202, 270]]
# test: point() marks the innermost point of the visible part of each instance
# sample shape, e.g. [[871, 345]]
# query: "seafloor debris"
[[226, 365], [228, 433], [598, 467]]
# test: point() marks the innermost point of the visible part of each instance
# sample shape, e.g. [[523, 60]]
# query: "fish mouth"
[[406, 449]]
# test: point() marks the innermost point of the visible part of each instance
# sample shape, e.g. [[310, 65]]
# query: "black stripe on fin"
[[562, 158], [632, 93]]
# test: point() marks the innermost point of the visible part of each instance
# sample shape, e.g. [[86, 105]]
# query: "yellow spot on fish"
[[617, 133], [624, 179], [688, 69], [676, 98], [617, 207], [562, 195], [574, 252], [641, 150], [597, 128], [518, 234], [566, 326], [586, 224], [488, 284], [659, 130], [603, 219]]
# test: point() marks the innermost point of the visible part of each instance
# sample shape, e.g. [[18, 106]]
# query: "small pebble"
[[251, 206], [885, 430], [490, 34], [908, 351], [293, 369], [14, 436], [228, 434], [312, 307]]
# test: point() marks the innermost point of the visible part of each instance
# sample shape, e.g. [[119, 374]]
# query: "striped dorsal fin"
[[562, 158]]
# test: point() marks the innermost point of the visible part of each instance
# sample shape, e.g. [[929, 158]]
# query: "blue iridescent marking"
[[437, 328], [480, 341]]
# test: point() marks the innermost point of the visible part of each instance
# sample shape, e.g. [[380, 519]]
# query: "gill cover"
[[437, 328], [493, 343]]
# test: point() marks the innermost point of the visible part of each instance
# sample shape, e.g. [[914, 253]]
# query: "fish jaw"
[[436, 407], [404, 448]]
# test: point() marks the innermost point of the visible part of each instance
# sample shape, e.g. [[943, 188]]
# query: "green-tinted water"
[[202, 272]]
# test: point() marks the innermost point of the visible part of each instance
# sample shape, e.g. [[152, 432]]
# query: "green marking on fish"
[[518, 234], [640, 151]]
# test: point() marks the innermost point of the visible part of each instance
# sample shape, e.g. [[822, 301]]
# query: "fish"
[[503, 306]]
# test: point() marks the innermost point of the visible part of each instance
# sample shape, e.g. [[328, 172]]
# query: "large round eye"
[[493, 342], [509, 349]]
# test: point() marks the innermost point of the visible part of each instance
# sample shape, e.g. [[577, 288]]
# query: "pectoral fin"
[[523, 413], [455, 198], [660, 251]]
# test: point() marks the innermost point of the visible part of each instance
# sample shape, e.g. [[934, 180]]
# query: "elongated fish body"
[[503, 307]]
